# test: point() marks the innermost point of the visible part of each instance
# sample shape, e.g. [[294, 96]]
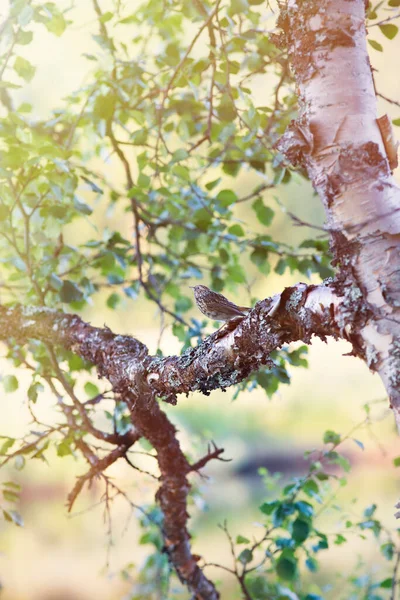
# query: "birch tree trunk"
[[349, 156]]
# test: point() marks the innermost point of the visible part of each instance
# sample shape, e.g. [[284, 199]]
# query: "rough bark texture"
[[338, 140], [227, 357], [223, 359], [173, 492]]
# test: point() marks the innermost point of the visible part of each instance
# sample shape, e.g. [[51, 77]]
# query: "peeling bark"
[[349, 155], [223, 359]]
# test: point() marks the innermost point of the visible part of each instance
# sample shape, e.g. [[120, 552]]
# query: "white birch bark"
[[337, 138]]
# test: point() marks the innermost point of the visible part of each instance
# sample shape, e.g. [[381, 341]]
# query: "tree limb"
[[223, 359], [226, 357]]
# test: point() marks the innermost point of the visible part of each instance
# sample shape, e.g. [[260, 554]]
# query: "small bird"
[[216, 306]]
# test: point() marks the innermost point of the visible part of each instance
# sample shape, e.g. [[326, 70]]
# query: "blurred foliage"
[[292, 540], [283, 563], [170, 98]]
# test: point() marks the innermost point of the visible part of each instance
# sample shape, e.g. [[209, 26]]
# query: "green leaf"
[[264, 213], [107, 16], [236, 274], [226, 198], [311, 488], [296, 359], [13, 485], [224, 255], [25, 16], [212, 184], [386, 583], [312, 565], [343, 462], [375, 45], [128, 20], [389, 30], [91, 389], [258, 588], [55, 282], [359, 444], [322, 544], [181, 172], [286, 566], [10, 383], [281, 266], [282, 512], [240, 539], [300, 530], [33, 391], [179, 331], [82, 207], [14, 517], [268, 507], [259, 257], [143, 181], [331, 437], [202, 219], [70, 292], [396, 122], [64, 448], [6, 446], [93, 186], [183, 304], [178, 155], [369, 511], [24, 68], [246, 556], [56, 24], [237, 6], [4, 212], [372, 524], [305, 508], [236, 230], [340, 539], [396, 461], [113, 301], [388, 550], [231, 168], [19, 462], [10, 495], [24, 38], [104, 106]]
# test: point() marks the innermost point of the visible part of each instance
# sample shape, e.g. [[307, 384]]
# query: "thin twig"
[[177, 70], [378, 23], [388, 99], [395, 580]]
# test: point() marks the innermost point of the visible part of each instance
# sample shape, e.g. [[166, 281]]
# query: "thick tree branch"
[[173, 492], [225, 358], [228, 356]]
